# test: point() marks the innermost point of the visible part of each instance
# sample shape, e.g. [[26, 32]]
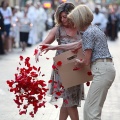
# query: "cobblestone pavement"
[[8, 109]]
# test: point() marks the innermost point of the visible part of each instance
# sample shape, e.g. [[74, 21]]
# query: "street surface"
[[9, 110]]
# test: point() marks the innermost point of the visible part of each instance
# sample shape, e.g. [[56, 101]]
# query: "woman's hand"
[[76, 47], [79, 63], [37, 53], [46, 47]]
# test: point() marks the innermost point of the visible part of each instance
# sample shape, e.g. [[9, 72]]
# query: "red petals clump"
[[28, 89]]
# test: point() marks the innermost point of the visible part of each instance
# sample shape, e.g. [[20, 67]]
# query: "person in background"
[[24, 29], [14, 27], [33, 38], [39, 23], [19, 14], [64, 33], [7, 14], [99, 19], [112, 25], [2, 34], [41, 20]]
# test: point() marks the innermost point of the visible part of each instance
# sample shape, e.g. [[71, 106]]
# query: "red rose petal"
[[56, 106], [88, 83], [58, 93], [21, 58], [53, 67], [50, 81], [43, 47], [89, 73], [66, 101], [35, 51], [59, 63], [47, 58], [76, 68]]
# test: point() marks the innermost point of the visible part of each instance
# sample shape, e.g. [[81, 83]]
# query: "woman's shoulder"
[[54, 29], [91, 29]]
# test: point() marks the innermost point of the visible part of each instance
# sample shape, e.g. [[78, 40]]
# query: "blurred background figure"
[[112, 25], [41, 20], [99, 19], [1, 34], [7, 14], [24, 29], [118, 17], [18, 14], [32, 17], [14, 28]]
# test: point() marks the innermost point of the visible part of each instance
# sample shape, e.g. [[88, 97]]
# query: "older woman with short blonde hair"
[[97, 55]]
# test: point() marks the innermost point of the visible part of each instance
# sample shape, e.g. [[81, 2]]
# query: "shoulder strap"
[[58, 36]]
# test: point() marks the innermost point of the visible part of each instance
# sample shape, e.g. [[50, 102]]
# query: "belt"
[[103, 60]]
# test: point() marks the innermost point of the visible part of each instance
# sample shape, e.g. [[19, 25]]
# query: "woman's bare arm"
[[50, 37], [70, 46]]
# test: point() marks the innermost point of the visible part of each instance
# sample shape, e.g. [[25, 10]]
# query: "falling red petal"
[[21, 58], [76, 68], [35, 51], [59, 63], [89, 73], [50, 81], [56, 106], [88, 83]]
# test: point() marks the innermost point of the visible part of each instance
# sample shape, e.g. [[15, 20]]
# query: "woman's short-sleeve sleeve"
[[88, 39]]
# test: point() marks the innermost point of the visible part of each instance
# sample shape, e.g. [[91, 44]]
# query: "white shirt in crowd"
[[100, 18], [24, 24], [6, 14]]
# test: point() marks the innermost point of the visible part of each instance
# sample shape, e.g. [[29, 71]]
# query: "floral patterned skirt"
[[64, 97]]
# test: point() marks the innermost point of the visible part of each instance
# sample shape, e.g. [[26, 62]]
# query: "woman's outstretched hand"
[[42, 48], [37, 53], [46, 47]]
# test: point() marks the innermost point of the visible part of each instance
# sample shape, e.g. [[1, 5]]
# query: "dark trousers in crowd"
[[1, 47]]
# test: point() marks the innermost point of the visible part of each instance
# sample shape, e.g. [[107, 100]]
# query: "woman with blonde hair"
[[97, 55], [64, 32]]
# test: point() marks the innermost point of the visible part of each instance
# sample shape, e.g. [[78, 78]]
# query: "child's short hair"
[[81, 16]]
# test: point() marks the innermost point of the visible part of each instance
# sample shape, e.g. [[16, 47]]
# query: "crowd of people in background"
[[108, 22], [24, 27], [21, 27]]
